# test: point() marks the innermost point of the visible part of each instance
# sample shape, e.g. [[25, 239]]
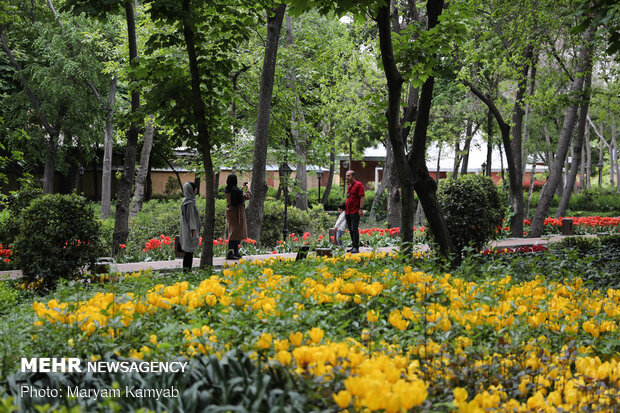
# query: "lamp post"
[[82, 170], [285, 172], [600, 172], [484, 168], [319, 175]]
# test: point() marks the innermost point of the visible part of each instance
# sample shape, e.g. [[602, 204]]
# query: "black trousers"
[[234, 245], [353, 223], [188, 258]]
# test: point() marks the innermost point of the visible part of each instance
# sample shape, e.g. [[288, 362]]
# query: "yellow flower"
[[316, 334], [296, 338], [372, 316], [284, 357], [281, 345], [264, 341], [460, 394], [342, 399], [153, 339]]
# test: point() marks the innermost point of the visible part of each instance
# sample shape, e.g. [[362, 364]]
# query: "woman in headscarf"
[[235, 215], [190, 225]]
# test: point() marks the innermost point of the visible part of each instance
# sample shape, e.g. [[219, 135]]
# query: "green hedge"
[[58, 236], [473, 209]]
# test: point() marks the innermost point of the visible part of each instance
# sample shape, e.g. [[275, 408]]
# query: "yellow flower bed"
[[418, 333]]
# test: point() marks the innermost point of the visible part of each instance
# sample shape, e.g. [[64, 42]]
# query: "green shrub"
[[473, 209], [172, 187], [17, 202], [8, 296], [58, 236], [596, 200]]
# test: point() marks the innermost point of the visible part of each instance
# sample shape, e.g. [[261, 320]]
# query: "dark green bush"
[[15, 203], [473, 209], [58, 236]]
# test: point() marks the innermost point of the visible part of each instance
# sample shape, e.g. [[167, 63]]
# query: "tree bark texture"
[[121, 219], [145, 156], [555, 173], [412, 170], [204, 143], [255, 210], [578, 145], [108, 141], [516, 183]]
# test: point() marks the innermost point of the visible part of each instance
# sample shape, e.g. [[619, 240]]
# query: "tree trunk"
[[330, 178], [121, 219], [465, 162], [516, 183], [578, 145], [526, 215], [490, 144], [148, 194], [588, 180], [585, 57], [457, 160], [438, 163], [108, 141], [255, 209], [393, 188], [50, 165], [411, 168], [203, 139], [145, 156], [514, 178]]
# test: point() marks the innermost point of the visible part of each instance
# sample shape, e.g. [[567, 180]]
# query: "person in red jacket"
[[353, 209]]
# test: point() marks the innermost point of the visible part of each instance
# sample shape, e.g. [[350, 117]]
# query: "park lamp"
[[600, 172], [319, 175]]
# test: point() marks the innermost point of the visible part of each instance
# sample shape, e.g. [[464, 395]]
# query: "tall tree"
[[411, 166], [255, 209], [54, 104], [96, 8], [578, 145], [570, 114]]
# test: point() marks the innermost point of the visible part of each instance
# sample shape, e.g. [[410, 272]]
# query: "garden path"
[[220, 261]]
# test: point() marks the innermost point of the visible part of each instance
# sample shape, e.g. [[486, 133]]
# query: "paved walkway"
[[220, 261]]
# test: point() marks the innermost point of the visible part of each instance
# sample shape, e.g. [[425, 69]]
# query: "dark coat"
[[235, 217]]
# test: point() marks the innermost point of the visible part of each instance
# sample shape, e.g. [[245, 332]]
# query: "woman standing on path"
[[190, 225], [235, 215]]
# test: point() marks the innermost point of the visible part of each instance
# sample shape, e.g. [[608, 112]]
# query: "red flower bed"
[[156, 243], [6, 253]]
